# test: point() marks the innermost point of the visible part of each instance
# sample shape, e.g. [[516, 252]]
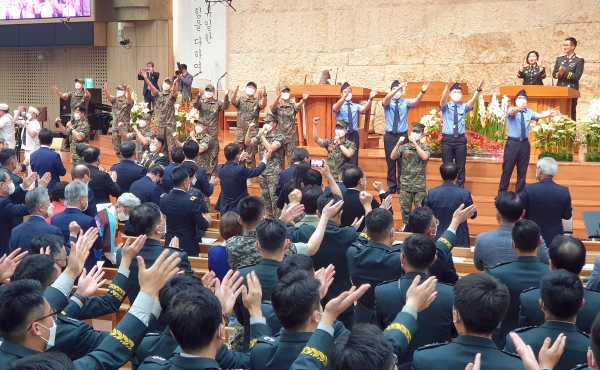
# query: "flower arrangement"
[[185, 115], [433, 129], [555, 137], [594, 109], [589, 131], [139, 109], [489, 121]]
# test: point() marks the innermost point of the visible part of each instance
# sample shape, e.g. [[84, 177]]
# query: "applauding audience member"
[[128, 171]]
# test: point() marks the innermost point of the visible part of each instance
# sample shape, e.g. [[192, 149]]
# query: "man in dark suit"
[[147, 188], [128, 171], [546, 203], [82, 173], [206, 186], [566, 253], [183, 213], [153, 76], [356, 182], [445, 199], [233, 176], [568, 70], [37, 202], [177, 157], [526, 272], [11, 205], [45, 160], [8, 160], [299, 155], [77, 201], [102, 184]]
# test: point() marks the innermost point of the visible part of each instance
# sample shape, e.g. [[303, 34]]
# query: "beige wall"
[[372, 43]]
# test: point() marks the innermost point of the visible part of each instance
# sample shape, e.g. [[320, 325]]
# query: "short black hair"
[[561, 293], [271, 235], [294, 297], [49, 360], [572, 40], [157, 170], [299, 176], [509, 205], [58, 191], [295, 262], [595, 337], [419, 220], [38, 267], [313, 177], [179, 175], [526, 235], [325, 199], [160, 139], [127, 149], [20, 301], [194, 318], [192, 168], [299, 155], [366, 348], [251, 209], [310, 195], [91, 154], [55, 242], [419, 251], [46, 136], [231, 151], [176, 284], [191, 149], [352, 176], [449, 171], [144, 218], [183, 66], [379, 222], [80, 149], [481, 301], [79, 171], [343, 169], [6, 156], [177, 155], [567, 253]]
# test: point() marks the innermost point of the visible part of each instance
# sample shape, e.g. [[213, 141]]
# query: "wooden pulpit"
[[541, 98], [320, 104]]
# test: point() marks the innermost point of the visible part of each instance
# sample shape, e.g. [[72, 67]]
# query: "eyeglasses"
[[567, 45], [66, 259], [52, 314]]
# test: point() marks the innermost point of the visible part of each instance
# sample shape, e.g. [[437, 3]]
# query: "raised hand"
[[305, 95], [425, 86], [267, 154], [373, 94], [480, 85], [400, 140], [45, 180], [290, 212], [295, 196], [154, 279], [378, 186], [214, 180], [209, 280], [55, 88], [549, 356], [228, 290], [339, 304], [449, 81], [79, 253], [357, 222], [74, 228], [420, 297], [130, 250], [90, 282], [316, 120], [387, 203], [9, 263], [252, 295], [365, 198], [462, 214], [29, 180], [243, 157], [476, 365], [332, 209], [325, 277]]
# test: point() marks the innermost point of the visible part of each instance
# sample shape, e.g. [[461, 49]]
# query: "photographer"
[[185, 81], [153, 78]]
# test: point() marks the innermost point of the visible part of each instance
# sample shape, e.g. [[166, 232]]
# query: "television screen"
[[44, 9]]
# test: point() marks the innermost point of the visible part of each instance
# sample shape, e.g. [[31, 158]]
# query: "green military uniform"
[[532, 74], [209, 110], [83, 128], [413, 177], [248, 112], [157, 159], [335, 156], [76, 338], [121, 111], [575, 348], [146, 132], [204, 159], [286, 116], [532, 315], [573, 71], [76, 99], [164, 118]]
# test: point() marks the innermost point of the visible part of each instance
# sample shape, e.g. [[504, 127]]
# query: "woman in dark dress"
[[532, 71]]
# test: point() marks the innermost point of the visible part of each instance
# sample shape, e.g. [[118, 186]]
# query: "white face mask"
[[86, 206], [166, 86], [77, 116], [456, 96], [193, 181], [285, 96], [267, 127], [340, 133], [77, 85], [28, 116], [199, 129], [52, 338], [349, 97], [120, 93], [142, 123], [208, 94], [398, 95], [250, 91], [416, 135], [11, 188], [152, 148], [50, 210], [23, 114], [521, 102], [122, 216], [163, 232]]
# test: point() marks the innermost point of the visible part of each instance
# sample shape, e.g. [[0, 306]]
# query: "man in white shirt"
[[7, 128], [29, 135]]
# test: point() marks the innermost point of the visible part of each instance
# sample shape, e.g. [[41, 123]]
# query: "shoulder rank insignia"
[[161, 155], [194, 198], [269, 339], [159, 358], [163, 194]]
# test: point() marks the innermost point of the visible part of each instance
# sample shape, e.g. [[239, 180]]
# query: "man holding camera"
[[185, 81], [153, 78]]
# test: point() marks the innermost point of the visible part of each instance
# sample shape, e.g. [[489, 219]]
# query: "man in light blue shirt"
[[345, 109], [396, 127], [517, 147], [454, 142]]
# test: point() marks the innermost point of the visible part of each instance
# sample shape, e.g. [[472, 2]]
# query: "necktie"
[[396, 117], [24, 136], [455, 127], [350, 123], [523, 133]]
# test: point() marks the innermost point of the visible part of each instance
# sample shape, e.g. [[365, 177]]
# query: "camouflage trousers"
[[268, 184], [240, 136], [290, 146], [407, 199], [214, 160], [166, 132], [116, 142]]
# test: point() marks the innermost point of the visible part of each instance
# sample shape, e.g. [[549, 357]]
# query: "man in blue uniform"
[[128, 171], [568, 69], [147, 188], [177, 157]]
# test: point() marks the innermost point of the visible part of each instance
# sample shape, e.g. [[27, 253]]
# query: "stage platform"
[[482, 178]]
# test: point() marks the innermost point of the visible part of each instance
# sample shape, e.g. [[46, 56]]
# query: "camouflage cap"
[[80, 80], [418, 127], [209, 87], [271, 118], [251, 83], [122, 87], [282, 88], [342, 123], [146, 116], [200, 121]]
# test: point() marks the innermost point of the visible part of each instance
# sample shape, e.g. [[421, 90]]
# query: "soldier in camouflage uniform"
[[121, 110], [413, 183], [286, 116], [206, 142], [77, 97], [208, 108], [141, 135], [248, 109], [340, 150], [77, 131], [269, 139], [164, 114]]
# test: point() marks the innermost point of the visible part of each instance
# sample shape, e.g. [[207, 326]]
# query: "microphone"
[[219, 80], [305, 77], [336, 72]]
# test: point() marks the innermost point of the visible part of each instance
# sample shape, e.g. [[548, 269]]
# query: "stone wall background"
[[371, 43]]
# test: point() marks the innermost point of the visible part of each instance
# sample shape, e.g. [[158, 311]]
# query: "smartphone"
[[317, 163]]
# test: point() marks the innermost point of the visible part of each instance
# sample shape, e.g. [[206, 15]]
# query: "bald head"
[[79, 172]]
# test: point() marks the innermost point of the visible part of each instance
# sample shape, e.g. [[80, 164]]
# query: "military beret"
[[251, 83], [395, 83], [282, 88], [271, 118], [456, 86], [342, 123], [209, 87], [345, 85], [418, 127], [522, 93]]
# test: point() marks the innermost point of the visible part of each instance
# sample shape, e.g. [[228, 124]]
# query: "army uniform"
[[209, 110], [573, 71], [83, 128], [413, 181], [140, 148], [164, 118], [248, 112], [76, 99], [286, 116], [204, 159], [532, 75], [121, 111], [156, 159], [575, 348], [76, 338], [335, 156]]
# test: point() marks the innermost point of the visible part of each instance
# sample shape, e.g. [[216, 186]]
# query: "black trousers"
[[515, 153], [353, 137], [454, 150], [389, 142], [574, 109]]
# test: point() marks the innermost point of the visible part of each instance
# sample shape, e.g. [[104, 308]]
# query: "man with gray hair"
[[76, 196], [547, 203], [37, 202]]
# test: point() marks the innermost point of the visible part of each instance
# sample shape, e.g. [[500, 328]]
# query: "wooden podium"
[[541, 98], [320, 104]]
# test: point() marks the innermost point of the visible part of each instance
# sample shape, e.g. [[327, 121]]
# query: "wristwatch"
[[479, 90], [423, 92]]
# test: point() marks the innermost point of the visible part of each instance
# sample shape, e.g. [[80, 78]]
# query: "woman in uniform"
[[532, 71]]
